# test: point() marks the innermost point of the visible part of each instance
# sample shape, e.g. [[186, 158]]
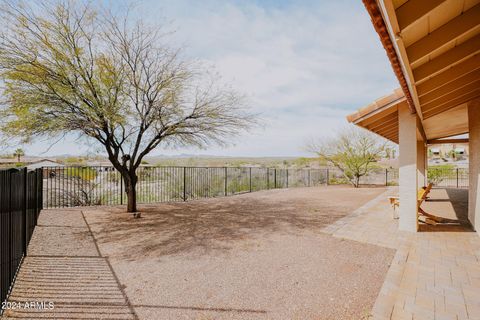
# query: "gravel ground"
[[61, 233], [253, 256]]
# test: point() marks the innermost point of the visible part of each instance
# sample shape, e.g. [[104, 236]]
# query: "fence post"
[[24, 210], [10, 227], [328, 177], [250, 174], [386, 177], [275, 178], [226, 181], [41, 189], [268, 178], [457, 178], [309, 177], [35, 188], [121, 189], [184, 183], [287, 178]]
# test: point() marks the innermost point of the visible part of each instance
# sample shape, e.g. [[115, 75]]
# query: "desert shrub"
[[113, 176], [335, 180], [73, 191], [84, 173], [436, 174]]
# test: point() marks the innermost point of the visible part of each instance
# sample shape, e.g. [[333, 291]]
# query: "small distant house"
[[43, 163], [460, 151], [435, 152], [101, 166], [30, 162], [50, 167]]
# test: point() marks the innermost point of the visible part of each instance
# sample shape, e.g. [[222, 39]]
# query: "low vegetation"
[[84, 173], [436, 174]]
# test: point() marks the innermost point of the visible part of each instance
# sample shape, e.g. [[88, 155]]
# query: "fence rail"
[[448, 177], [102, 185], [20, 204]]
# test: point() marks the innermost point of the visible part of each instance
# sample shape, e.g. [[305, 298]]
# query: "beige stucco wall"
[[474, 164], [408, 183]]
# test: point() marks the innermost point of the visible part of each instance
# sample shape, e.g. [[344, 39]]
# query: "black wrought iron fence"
[[101, 185], [448, 177], [388, 177], [20, 204]]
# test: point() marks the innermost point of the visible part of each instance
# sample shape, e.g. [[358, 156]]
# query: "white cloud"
[[304, 66]]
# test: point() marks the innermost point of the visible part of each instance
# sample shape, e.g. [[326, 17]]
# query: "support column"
[[421, 164], [474, 164], [407, 123]]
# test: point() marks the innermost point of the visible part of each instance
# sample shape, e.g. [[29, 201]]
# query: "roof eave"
[[382, 30]]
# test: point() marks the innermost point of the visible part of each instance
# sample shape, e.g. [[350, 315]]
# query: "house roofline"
[[382, 31]]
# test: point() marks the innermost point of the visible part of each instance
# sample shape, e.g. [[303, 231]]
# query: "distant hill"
[[189, 160], [222, 161]]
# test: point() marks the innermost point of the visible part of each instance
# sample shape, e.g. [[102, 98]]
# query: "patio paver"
[[434, 275]]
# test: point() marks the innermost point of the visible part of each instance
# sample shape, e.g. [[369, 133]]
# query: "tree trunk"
[[131, 190], [132, 200], [356, 182]]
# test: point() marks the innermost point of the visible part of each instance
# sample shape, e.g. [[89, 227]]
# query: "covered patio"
[[434, 49]]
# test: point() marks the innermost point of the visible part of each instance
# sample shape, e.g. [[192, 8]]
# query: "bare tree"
[[69, 68], [352, 151]]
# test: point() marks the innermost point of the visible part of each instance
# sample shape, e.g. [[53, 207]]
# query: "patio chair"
[[421, 196], [423, 216]]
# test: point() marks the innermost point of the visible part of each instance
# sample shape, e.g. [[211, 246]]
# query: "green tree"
[[353, 151], [71, 69]]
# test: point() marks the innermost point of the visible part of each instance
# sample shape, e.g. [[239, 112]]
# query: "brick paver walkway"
[[81, 284], [434, 275]]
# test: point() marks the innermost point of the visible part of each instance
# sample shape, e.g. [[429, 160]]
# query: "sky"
[[303, 65]]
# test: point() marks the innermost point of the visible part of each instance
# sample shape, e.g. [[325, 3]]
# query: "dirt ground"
[[253, 256]]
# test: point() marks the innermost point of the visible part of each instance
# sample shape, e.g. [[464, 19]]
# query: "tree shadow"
[[204, 226]]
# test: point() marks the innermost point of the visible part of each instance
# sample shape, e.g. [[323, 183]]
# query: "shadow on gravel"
[[214, 224]]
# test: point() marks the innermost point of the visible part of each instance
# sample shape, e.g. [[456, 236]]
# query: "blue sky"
[[304, 65]]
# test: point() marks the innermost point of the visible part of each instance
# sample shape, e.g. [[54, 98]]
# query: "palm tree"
[[19, 153]]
